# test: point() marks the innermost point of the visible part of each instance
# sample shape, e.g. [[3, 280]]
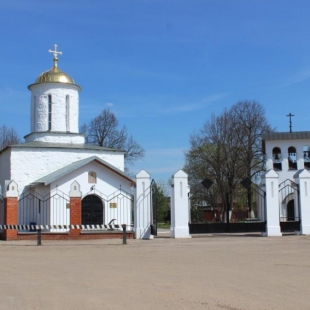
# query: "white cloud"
[[295, 78], [193, 106], [109, 104]]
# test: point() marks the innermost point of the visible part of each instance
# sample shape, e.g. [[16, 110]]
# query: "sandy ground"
[[210, 272]]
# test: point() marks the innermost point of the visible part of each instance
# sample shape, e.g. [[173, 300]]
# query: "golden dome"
[[54, 75]]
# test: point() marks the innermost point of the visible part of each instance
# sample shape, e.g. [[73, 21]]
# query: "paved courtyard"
[[210, 272]]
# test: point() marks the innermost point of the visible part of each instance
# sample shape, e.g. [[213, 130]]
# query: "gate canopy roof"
[[48, 179]]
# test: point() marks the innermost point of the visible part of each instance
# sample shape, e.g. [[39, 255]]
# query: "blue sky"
[[161, 66]]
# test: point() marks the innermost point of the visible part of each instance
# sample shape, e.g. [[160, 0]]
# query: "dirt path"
[[231, 272]]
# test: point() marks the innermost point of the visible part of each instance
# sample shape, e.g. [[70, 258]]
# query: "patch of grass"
[[163, 225]]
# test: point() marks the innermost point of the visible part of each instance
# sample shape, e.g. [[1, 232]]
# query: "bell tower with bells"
[[287, 152]]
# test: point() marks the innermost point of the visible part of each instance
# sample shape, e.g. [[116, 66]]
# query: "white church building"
[[55, 178]]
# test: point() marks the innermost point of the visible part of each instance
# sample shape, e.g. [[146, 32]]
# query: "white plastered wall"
[[39, 107], [30, 164]]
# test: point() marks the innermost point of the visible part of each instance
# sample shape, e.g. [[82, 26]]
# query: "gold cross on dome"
[[55, 52]]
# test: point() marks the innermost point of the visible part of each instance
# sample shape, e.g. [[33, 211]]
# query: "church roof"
[[286, 135], [37, 144], [48, 179]]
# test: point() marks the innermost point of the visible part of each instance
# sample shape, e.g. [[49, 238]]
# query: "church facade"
[[54, 164]]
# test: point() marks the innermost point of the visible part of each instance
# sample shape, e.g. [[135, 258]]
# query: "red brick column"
[[75, 214], [10, 217]]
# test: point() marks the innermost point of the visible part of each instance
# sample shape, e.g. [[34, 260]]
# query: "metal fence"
[[243, 209], [53, 209]]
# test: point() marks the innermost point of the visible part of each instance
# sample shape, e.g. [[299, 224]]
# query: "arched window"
[[292, 162], [277, 158], [67, 113], [49, 125], [306, 154], [92, 177]]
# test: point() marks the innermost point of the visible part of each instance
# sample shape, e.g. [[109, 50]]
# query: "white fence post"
[[304, 192], [272, 204], [179, 206], [142, 208]]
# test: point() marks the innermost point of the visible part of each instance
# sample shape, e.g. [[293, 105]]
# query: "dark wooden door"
[[92, 210]]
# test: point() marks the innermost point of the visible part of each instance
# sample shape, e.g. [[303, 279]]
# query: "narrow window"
[[277, 158], [49, 112], [67, 113], [34, 107]]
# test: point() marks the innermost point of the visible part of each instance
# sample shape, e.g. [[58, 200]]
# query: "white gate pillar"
[[272, 204], [142, 208], [304, 194], [179, 206]]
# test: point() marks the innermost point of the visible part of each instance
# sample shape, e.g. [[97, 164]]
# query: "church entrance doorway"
[[92, 210], [291, 210], [289, 206]]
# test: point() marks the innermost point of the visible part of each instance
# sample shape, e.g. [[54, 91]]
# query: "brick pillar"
[[10, 217], [75, 208], [11, 210]]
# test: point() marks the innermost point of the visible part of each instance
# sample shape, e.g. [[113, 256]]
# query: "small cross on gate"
[[55, 52]]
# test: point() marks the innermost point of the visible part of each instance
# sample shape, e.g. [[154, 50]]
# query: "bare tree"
[[214, 154], [133, 150], [103, 130], [250, 122], [228, 148], [8, 136]]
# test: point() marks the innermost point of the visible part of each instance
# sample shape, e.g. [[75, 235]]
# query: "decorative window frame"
[[92, 177]]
